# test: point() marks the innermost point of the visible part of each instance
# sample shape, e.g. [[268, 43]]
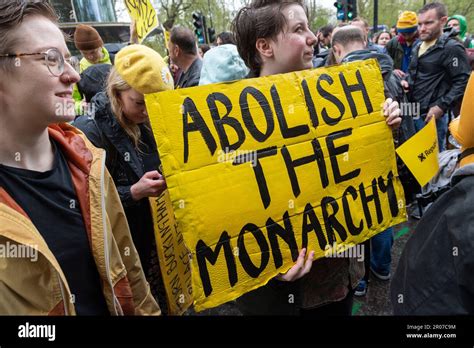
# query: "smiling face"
[[36, 97], [292, 49]]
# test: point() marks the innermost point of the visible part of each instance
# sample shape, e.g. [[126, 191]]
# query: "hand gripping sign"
[[260, 168]]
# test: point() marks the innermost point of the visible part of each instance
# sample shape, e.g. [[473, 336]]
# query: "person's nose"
[[311, 40], [70, 75]]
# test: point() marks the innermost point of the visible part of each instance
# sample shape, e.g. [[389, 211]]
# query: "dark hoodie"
[[440, 75]]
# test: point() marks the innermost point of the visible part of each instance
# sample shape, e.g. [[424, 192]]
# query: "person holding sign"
[[274, 37], [121, 127]]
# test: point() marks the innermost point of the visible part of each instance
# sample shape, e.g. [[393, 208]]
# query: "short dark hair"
[[185, 39], [326, 30], [204, 48], [440, 8], [348, 35], [261, 19], [226, 37], [12, 14]]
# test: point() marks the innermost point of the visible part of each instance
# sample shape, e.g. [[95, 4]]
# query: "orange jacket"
[[37, 286]]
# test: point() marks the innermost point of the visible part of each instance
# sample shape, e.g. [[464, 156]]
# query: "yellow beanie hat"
[[143, 69], [462, 128], [407, 22]]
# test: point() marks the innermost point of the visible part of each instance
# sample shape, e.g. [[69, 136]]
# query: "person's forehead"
[[295, 12], [37, 32], [428, 15]]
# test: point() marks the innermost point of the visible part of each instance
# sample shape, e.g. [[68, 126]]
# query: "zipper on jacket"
[[106, 249]]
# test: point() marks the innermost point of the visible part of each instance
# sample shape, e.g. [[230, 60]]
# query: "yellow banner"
[[420, 153], [174, 257], [143, 13], [260, 168]]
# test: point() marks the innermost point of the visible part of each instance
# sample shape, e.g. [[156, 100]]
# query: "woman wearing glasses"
[[59, 208]]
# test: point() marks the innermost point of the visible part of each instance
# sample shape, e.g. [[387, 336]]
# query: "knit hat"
[[462, 128], [407, 22], [143, 69], [221, 64], [87, 38]]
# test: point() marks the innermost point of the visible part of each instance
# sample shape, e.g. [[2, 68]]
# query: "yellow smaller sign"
[[174, 256], [420, 153], [143, 13]]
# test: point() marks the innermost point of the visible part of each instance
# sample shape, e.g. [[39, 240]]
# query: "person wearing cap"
[[222, 64], [400, 47], [91, 46], [88, 41], [121, 126], [58, 202], [435, 274]]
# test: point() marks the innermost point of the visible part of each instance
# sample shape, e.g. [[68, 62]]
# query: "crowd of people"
[[78, 160]]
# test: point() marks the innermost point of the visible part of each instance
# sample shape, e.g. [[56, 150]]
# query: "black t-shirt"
[[50, 201]]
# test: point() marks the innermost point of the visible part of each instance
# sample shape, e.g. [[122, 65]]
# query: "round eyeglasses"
[[53, 58]]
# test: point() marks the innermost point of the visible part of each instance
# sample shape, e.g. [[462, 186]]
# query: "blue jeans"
[[381, 251], [441, 129]]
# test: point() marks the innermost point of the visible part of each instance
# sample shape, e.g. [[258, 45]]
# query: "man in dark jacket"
[[435, 275], [183, 52], [438, 70], [399, 48]]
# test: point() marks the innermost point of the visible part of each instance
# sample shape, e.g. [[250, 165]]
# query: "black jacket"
[[93, 80], [439, 77], [435, 275], [191, 77], [126, 166]]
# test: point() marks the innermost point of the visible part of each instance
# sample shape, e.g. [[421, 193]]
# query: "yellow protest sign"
[[144, 15], [420, 153], [260, 168], [174, 257]]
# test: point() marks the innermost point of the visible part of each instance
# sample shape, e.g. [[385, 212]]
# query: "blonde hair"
[[115, 85]]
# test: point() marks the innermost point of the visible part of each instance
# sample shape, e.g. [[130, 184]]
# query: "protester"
[[435, 274], [349, 46], [121, 126], [459, 23], [203, 48], [88, 41], [222, 64], [363, 24], [382, 38], [182, 48], [56, 197], [285, 44], [438, 70], [224, 38], [324, 37], [400, 47]]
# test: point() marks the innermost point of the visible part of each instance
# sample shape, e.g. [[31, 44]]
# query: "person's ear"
[[264, 47], [444, 20]]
